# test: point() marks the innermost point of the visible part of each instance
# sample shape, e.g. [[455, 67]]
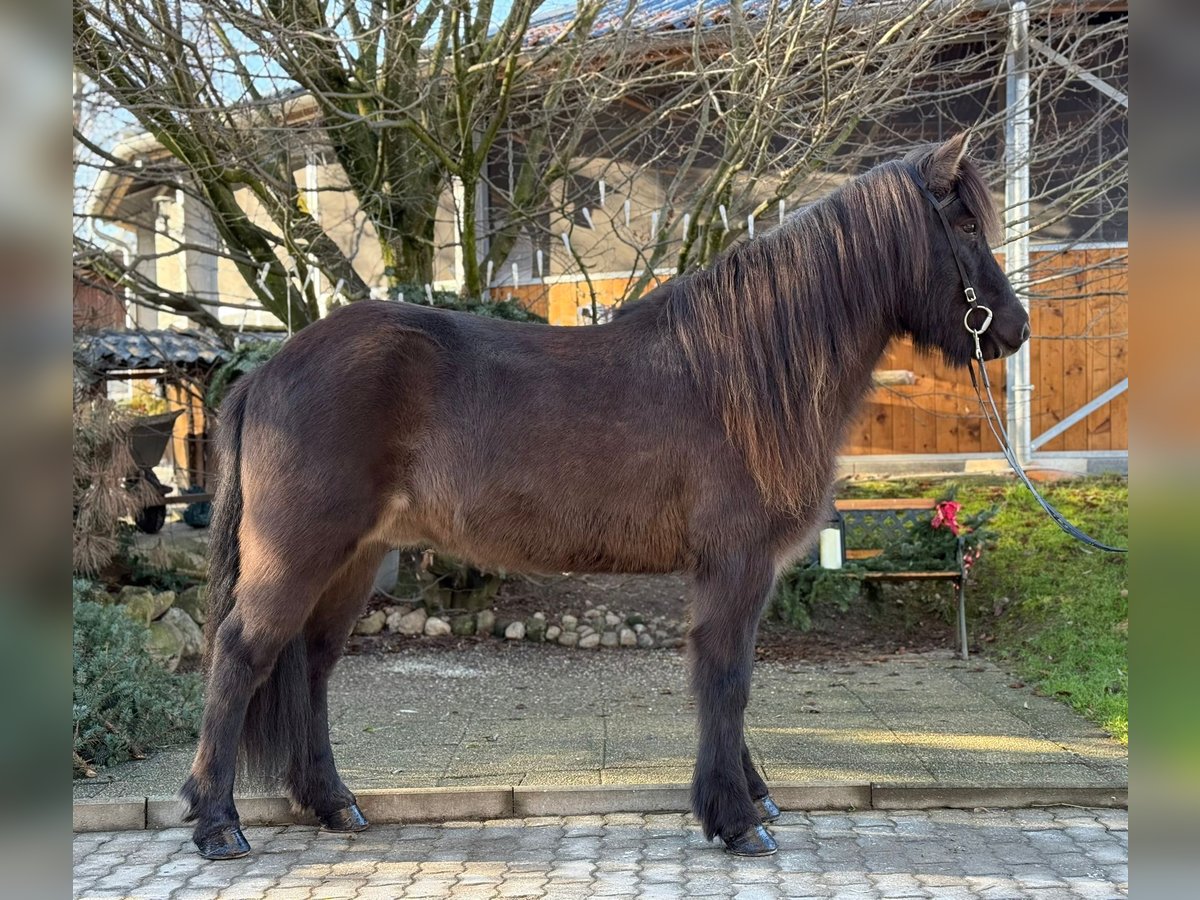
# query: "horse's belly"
[[563, 528]]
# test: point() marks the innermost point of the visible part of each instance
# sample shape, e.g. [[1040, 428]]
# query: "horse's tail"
[[274, 738]]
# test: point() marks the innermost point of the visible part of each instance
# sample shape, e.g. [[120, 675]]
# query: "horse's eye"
[[970, 227]]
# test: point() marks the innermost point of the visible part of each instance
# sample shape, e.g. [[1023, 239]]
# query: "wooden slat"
[[863, 554], [891, 503], [1046, 364], [902, 576]]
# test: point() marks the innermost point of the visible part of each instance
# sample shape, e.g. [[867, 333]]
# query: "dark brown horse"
[[697, 432]]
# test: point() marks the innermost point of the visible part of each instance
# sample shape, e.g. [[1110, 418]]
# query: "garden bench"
[[869, 524]]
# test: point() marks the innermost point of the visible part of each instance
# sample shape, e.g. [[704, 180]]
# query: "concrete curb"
[[411, 805]]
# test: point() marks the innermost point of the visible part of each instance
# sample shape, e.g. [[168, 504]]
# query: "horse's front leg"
[[730, 593]]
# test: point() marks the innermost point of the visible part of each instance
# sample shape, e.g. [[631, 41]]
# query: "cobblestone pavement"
[[1020, 853]]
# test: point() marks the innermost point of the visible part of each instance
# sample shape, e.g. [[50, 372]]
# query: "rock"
[[609, 639], [586, 642], [627, 638], [193, 637], [515, 631], [501, 626], [485, 621], [661, 634], [552, 632], [395, 614], [535, 628], [540, 615], [462, 626], [644, 641], [569, 623], [371, 624], [143, 604], [635, 619], [194, 602], [411, 623], [586, 630], [639, 628], [569, 638], [165, 645], [436, 627], [612, 620], [592, 613], [601, 608]]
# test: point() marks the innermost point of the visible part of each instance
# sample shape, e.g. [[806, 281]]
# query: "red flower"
[[945, 515]]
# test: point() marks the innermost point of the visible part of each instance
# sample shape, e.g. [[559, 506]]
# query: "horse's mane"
[[771, 330]]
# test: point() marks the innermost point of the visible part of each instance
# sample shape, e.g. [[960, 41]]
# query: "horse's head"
[[961, 223]]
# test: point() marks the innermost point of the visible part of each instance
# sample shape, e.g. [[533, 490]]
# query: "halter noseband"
[[973, 304]]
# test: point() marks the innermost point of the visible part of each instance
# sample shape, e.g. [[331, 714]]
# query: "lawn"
[[1054, 609]]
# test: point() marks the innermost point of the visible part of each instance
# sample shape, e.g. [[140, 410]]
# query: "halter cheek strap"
[[991, 414], [973, 304]]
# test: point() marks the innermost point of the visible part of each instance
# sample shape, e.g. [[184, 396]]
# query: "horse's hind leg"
[[313, 780], [729, 597], [767, 810], [255, 637]]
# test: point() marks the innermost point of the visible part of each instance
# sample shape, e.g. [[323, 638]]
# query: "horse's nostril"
[[1025, 332]]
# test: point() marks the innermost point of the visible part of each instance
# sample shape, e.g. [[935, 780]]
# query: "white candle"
[[831, 548]]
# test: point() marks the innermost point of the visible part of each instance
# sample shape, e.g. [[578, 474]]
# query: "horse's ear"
[[945, 162]]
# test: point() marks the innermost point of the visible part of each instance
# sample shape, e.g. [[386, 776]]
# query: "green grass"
[[1056, 610]]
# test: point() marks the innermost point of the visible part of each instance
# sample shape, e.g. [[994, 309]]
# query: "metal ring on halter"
[[986, 322]]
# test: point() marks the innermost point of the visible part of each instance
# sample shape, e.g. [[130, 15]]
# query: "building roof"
[[115, 350]]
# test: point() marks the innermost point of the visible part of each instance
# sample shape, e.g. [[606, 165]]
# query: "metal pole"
[[1016, 193]]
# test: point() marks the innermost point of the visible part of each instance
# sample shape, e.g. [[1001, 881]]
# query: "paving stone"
[[937, 854]]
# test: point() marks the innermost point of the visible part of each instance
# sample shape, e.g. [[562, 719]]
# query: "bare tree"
[[596, 143]]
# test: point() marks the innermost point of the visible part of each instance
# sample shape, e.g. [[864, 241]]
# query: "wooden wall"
[[1079, 349]]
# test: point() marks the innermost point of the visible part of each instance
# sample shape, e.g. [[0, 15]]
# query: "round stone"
[[515, 631], [485, 621], [371, 624], [413, 623], [585, 630], [627, 637], [612, 620], [462, 626], [535, 628], [609, 639], [552, 633], [569, 638], [645, 641], [436, 627], [639, 628], [588, 641], [569, 623]]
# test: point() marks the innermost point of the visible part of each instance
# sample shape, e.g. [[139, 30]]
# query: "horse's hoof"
[[767, 810], [345, 821], [754, 841], [226, 843]]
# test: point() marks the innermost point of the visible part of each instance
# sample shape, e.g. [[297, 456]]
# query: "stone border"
[[411, 805]]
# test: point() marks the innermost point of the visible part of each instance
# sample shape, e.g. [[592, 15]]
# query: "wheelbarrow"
[[148, 437]]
